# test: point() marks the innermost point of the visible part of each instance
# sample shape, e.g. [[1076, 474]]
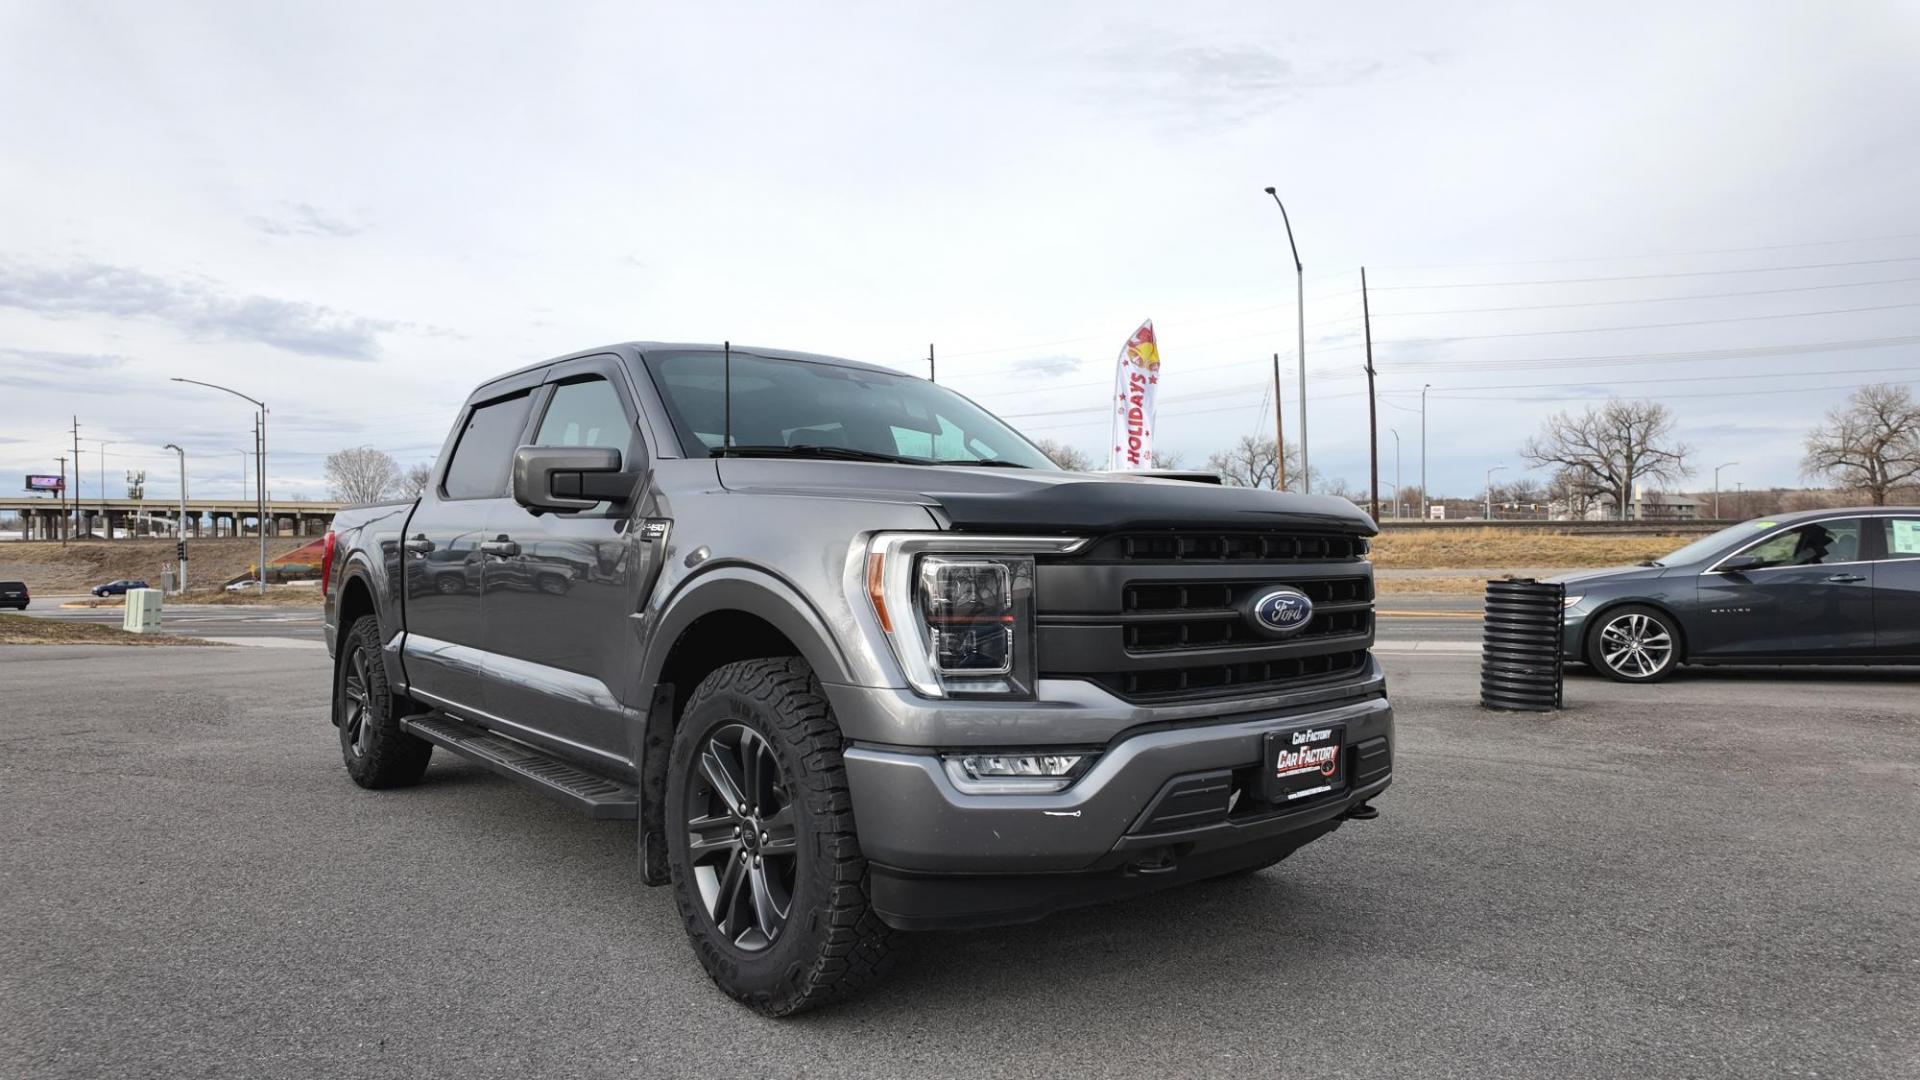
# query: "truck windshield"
[[827, 411]]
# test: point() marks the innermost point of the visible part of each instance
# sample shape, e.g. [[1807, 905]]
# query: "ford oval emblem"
[[1283, 611]]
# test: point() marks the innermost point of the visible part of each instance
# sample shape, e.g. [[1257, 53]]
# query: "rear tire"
[[377, 753], [758, 749], [1634, 644]]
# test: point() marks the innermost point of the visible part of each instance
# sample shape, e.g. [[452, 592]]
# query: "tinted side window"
[[483, 457], [1903, 537], [1810, 545], [586, 413]]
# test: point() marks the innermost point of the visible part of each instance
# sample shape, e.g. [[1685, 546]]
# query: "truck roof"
[[627, 348]]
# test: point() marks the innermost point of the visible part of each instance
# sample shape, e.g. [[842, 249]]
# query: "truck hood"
[[1023, 500]]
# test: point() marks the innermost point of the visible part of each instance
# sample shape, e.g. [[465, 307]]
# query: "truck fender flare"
[[751, 592], [360, 568]]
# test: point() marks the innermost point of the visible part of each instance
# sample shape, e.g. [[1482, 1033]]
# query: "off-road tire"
[[832, 943], [388, 757]]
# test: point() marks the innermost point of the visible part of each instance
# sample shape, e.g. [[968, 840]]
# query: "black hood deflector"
[[1111, 506]]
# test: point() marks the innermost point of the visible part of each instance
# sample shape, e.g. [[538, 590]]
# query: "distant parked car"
[[119, 588], [13, 594], [1816, 587], [244, 586]]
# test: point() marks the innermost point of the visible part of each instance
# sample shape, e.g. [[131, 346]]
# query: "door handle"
[[419, 545], [503, 546], [1846, 579]]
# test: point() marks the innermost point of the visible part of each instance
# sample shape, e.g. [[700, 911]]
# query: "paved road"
[[1712, 878], [282, 624]]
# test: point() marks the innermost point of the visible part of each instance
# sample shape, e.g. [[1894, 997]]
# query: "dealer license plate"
[[1302, 763]]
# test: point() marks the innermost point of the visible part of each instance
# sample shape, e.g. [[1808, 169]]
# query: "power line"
[[1645, 299], [1459, 390], [1645, 277], [1659, 255], [1649, 326]]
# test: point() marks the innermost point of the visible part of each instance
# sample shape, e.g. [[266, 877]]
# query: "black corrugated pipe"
[[1520, 664]]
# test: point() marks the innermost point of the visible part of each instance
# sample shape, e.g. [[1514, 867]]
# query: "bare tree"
[[361, 474], [1163, 459], [413, 482], [1070, 458], [1249, 463], [1871, 444], [1606, 451]]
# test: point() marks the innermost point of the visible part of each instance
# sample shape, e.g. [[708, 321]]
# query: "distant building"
[[1646, 506]]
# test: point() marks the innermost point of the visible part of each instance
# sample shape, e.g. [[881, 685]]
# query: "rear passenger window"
[[483, 457], [1903, 537], [1810, 545]]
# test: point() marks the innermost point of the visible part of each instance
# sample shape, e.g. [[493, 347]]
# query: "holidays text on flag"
[[1136, 386]]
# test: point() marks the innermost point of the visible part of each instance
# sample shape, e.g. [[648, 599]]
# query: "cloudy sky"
[[356, 211]]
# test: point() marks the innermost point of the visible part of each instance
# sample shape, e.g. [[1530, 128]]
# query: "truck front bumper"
[[1161, 805]]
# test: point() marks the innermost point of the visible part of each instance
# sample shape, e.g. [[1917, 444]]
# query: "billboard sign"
[[46, 483]]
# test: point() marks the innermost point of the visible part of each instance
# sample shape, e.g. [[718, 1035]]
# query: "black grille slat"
[[1161, 616]]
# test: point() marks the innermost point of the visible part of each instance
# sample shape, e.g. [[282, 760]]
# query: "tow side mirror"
[[566, 478], [1739, 563]]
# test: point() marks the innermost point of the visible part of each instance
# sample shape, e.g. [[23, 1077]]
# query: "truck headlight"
[[958, 610]]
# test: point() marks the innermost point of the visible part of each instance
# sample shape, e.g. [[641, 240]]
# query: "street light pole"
[[1398, 510], [180, 531], [1490, 472], [1716, 487], [1300, 319], [260, 488], [1424, 500]]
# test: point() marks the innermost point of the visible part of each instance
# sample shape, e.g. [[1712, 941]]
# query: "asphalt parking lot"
[[1719, 876]]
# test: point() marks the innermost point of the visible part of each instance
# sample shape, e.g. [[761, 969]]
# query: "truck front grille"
[[1163, 617]]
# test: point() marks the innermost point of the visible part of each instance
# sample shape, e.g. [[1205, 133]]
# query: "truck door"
[[446, 544], [1896, 586], [558, 634]]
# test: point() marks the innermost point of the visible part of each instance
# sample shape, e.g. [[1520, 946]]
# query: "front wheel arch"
[[1594, 621]]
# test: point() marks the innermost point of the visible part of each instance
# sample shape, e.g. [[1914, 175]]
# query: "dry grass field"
[[1439, 549]]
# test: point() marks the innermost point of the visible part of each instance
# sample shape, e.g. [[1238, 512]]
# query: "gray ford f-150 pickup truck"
[[853, 653]]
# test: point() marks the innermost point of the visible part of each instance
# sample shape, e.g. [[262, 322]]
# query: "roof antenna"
[[726, 397]]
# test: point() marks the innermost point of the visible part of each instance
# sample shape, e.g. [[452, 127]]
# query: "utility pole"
[[1279, 432], [1373, 408], [930, 372], [1490, 472], [1300, 319]]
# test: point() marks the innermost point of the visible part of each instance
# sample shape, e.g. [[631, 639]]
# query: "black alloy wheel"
[[741, 843], [356, 728]]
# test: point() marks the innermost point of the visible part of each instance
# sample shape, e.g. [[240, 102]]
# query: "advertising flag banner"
[[1135, 387]]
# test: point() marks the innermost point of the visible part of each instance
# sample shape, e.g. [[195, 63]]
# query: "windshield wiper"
[[841, 453], [1651, 562], [983, 463]]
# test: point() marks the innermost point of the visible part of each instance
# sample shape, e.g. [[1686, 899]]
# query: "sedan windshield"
[[806, 409], [1707, 546]]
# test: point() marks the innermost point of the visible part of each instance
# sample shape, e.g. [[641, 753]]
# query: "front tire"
[[377, 753], [767, 870], [1634, 644]]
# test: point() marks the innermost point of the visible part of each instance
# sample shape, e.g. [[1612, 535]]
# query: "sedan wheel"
[[1634, 644]]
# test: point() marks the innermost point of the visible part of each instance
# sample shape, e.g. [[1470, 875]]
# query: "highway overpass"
[[48, 519]]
